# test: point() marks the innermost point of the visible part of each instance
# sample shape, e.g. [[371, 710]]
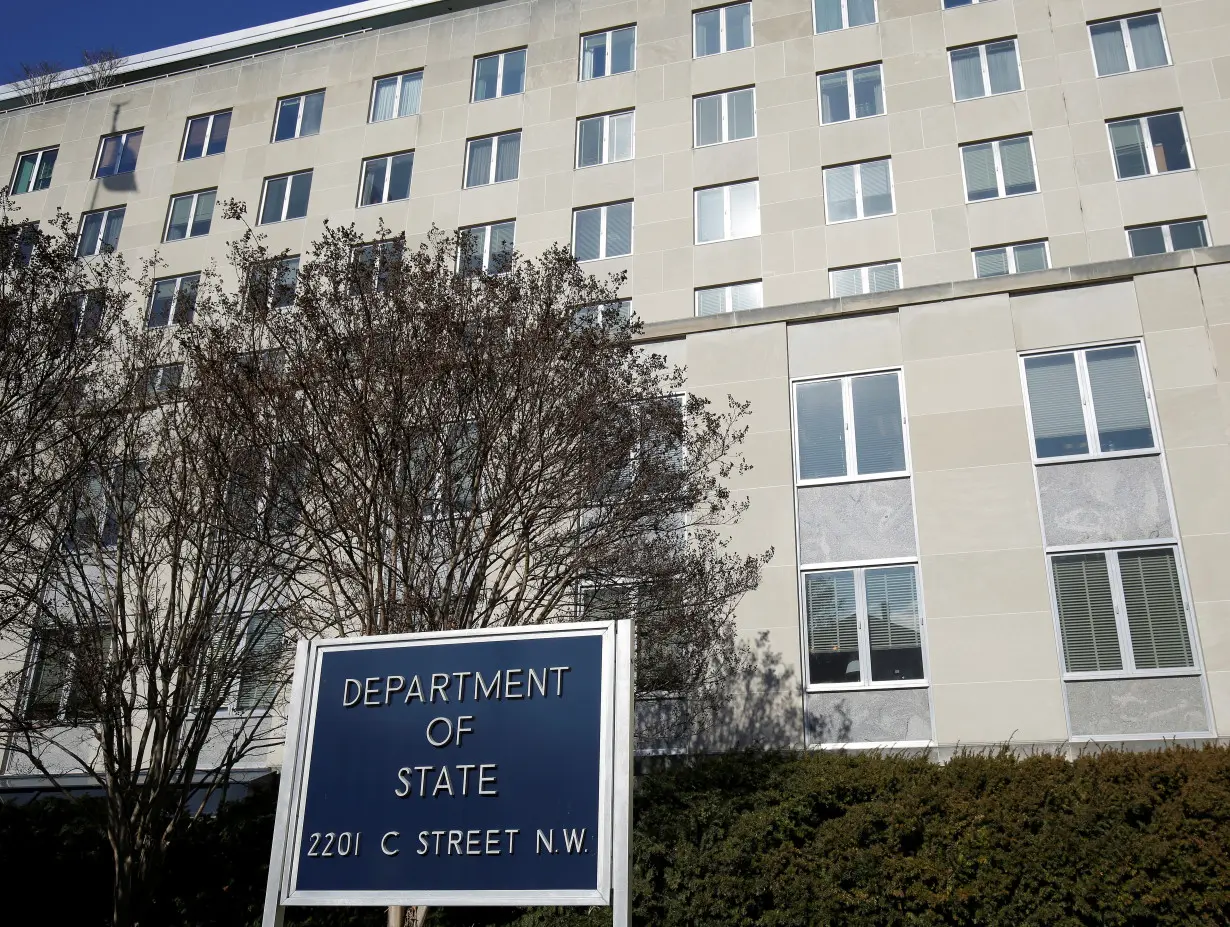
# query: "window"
[[852, 94], [499, 75], [726, 28], [871, 278], [602, 139], [858, 191], [271, 285], [100, 231], [299, 117], [395, 96], [59, 663], [1122, 611], [618, 312], [190, 215], [1088, 403], [493, 159], [843, 14], [87, 310], [864, 626], [163, 379], [985, 70], [732, 211], [1131, 44], [1004, 167], [1170, 236], [1149, 145], [117, 154], [850, 427], [602, 231], [610, 52], [386, 179], [33, 171], [18, 242], [260, 673], [375, 259], [106, 497], [733, 297], [949, 4], [206, 135], [1011, 259], [487, 249], [286, 197], [724, 117], [173, 299]]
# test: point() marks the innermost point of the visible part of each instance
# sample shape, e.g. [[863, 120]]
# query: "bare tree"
[[101, 67], [38, 81]]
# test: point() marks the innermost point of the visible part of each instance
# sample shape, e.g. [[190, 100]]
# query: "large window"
[[1011, 259], [1004, 167], [33, 171], [375, 260], [299, 116], [117, 154], [386, 179], [850, 427], [985, 70], [260, 676], [1130, 44], [493, 159], [1149, 145], [723, 29], [1169, 236], [602, 231], [602, 139], [1122, 612], [163, 378], [272, 284], [173, 300], [1088, 403], [286, 197], [864, 626], [724, 117], [843, 14], [396, 95], [869, 278], [488, 248], [499, 75], [851, 94], [733, 297], [190, 215], [206, 135], [61, 663], [610, 52], [100, 231], [858, 191], [731, 211]]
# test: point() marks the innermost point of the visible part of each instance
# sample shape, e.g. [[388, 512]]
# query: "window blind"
[[861, 12], [877, 188], [839, 193], [967, 73], [1055, 405], [881, 277], [828, 15], [878, 442], [1086, 613], [618, 229], [508, 157], [711, 301], [1017, 157], [1108, 49], [1157, 620], [588, 235], [832, 627], [980, 179], [893, 626], [411, 94], [847, 282], [745, 296], [992, 262], [262, 646], [1002, 67], [709, 120], [741, 114], [1147, 45], [821, 429], [1119, 405], [1030, 257], [386, 97]]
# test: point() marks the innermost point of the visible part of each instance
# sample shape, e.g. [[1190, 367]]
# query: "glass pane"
[[501, 247], [486, 70], [619, 137], [1157, 620], [1017, 159], [384, 99], [868, 92], [23, 181], [129, 152], [202, 217], [738, 26], [411, 94], [744, 210], [275, 194], [741, 114], [284, 283], [478, 169], [967, 74], [1128, 143], [91, 226], [181, 209], [828, 15], [160, 304], [1148, 48], [1169, 145], [618, 230], [893, 626], [45, 166], [834, 98], [111, 230], [993, 262], [593, 56], [508, 157], [821, 429], [709, 119], [1148, 240], [185, 299], [711, 301], [1055, 405], [848, 282], [399, 176], [472, 253], [313, 106], [1031, 257], [1119, 406], [288, 119], [832, 628], [1108, 48], [839, 193], [109, 158], [1002, 67], [587, 238], [300, 188], [708, 32], [745, 296], [980, 179], [710, 215], [194, 145], [1086, 613], [877, 188], [623, 50], [1188, 235], [878, 443], [589, 142], [861, 12], [373, 182], [218, 134], [514, 73], [881, 277]]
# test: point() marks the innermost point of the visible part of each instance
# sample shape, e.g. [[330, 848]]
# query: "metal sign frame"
[[615, 777]]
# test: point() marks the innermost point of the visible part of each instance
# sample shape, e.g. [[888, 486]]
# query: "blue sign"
[[466, 768]]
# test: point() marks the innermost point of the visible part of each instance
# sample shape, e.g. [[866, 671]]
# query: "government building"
[[969, 261]]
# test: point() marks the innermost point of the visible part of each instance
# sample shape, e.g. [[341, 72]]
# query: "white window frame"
[[487, 228], [285, 196], [722, 42], [608, 33], [1150, 157], [1122, 22], [859, 569], [957, 6], [397, 114], [231, 709], [603, 207], [858, 191], [1122, 627], [727, 296], [986, 70], [209, 134], [1095, 451], [1000, 193], [606, 138], [123, 137], [865, 273], [1166, 236], [495, 150], [499, 74], [277, 114], [388, 176], [849, 72], [727, 226], [179, 285], [845, 18], [1010, 253], [847, 414], [102, 228], [166, 229], [725, 110], [38, 162]]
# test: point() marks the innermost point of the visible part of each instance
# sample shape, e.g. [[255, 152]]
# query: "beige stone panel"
[[603, 183], [725, 162], [979, 23], [1219, 336], [662, 207], [768, 522], [664, 305], [845, 48], [917, 234], [977, 509], [805, 212], [478, 204], [804, 149], [1180, 358], [1139, 92], [722, 72], [998, 712], [726, 261], [951, 228], [1107, 245], [1200, 481], [942, 384], [606, 94], [992, 648], [775, 606], [1061, 318], [959, 326], [759, 352], [986, 583], [1047, 107], [666, 51], [1192, 417], [905, 131], [940, 268], [768, 452], [396, 135], [855, 140], [862, 241], [982, 437], [1215, 292], [803, 286], [845, 345], [1206, 556], [1162, 197], [771, 120], [1097, 205], [1219, 697], [664, 236], [920, 94], [1213, 627], [993, 117], [770, 60], [1056, 173], [1024, 215], [1169, 300], [939, 125]]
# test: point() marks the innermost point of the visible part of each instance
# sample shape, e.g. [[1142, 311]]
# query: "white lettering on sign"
[[473, 842], [506, 685]]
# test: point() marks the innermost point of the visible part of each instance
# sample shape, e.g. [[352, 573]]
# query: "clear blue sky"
[[59, 30]]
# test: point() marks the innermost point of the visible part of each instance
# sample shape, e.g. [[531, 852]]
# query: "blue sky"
[[59, 30]]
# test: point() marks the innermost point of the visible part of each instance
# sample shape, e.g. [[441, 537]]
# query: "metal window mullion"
[[606, 140], [850, 93], [847, 415], [495, 147], [722, 29], [858, 191], [845, 14], [727, 219], [299, 115], [290, 180], [1127, 43], [499, 75], [1011, 252], [724, 106], [1122, 628], [986, 71], [1143, 122], [728, 298], [1000, 188], [864, 632], [1167, 239], [397, 97], [1087, 410]]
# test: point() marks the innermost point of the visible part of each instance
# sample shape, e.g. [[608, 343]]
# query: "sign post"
[[488, 767]]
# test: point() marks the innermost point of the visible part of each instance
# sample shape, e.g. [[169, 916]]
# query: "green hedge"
[[782, 840]]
